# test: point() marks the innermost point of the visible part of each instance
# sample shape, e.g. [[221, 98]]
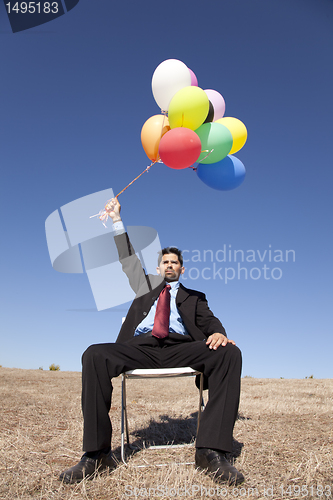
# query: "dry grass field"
[[283, 439]]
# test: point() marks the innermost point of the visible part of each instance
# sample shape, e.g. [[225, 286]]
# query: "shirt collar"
[[174, 285]]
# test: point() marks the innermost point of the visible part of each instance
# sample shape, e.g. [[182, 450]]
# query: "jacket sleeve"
[[131, 264]]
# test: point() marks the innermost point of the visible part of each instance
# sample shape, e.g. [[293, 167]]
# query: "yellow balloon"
[[152, 131], [188, 108], [238, 132]]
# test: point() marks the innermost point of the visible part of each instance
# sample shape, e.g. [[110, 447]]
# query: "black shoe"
[[215, 463], [87, 467]]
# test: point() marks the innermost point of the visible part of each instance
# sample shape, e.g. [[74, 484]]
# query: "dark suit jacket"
[[198, 319]]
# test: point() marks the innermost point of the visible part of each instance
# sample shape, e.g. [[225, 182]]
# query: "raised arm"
[[131, 265]]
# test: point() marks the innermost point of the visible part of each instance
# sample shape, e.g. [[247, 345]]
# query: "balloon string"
[[136, 178], [105, 213], [203, 151], [164, 113]]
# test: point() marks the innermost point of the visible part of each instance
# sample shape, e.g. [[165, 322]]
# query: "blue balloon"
[[224, 175]]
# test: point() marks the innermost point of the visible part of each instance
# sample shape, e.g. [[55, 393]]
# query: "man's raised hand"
[[113, 208]]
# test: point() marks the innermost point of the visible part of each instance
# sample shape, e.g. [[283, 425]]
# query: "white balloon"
[[169, 77]]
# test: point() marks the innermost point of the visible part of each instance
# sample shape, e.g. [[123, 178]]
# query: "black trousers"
[[102, 362]]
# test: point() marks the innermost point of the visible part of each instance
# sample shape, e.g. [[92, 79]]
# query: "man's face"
[[170, 268]]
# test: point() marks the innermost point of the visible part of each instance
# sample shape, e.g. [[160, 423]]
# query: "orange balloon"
[[151, 133]]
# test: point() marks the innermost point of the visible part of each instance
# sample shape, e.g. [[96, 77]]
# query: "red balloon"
[[179, 148]]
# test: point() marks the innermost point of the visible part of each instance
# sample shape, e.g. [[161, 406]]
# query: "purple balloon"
[[218, 103], [194, 80], [224, 175]]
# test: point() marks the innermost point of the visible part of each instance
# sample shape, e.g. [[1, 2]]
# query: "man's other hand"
[[217, 339]]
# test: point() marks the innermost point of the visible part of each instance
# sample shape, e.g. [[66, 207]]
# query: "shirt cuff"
[[118, 227]]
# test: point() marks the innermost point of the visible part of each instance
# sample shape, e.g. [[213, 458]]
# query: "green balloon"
[[216, 137]]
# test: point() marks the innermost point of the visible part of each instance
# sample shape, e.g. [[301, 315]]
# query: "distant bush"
[[54, 368], [41, 368]]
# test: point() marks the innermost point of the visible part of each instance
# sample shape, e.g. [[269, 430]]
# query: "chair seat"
[[161, 372]]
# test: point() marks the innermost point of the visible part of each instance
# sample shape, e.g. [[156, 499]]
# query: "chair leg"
[[201, 401], [126, 422], [123, 418]]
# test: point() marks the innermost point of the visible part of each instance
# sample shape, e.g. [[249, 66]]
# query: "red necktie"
[[162, 315]]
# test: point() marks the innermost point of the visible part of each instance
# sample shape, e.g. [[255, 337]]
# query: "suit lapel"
[[186, 310], [181, 295]]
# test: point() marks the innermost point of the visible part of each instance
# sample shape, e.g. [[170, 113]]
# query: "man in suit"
[[194, 337]]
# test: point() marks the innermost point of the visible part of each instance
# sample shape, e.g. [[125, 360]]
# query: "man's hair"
[[167, 250]]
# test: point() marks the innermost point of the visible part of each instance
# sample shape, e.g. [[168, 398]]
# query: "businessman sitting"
[[167, 325]]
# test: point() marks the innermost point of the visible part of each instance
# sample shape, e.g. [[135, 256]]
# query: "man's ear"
[[182, 271], [158, 270]]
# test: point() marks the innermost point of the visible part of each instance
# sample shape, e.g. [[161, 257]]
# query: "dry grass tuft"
[[283, 439]]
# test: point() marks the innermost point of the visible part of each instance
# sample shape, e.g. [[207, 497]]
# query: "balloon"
[[210, 115], [188, 108], [194, 80], [216, 137], [169, 77], [225, 175], [218, 103], [152, 131], [238, 132], [179, 148]]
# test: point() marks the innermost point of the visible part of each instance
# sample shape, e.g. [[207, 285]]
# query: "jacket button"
[[144, 313]]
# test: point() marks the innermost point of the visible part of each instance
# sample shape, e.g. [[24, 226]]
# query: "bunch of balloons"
[[192, 128]]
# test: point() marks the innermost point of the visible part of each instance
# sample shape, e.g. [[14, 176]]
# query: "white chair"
[[154, 373]]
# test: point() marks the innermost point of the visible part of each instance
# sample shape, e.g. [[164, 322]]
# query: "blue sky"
[[75, 94]]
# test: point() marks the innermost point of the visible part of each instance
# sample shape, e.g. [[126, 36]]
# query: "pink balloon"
[[194, 80], [218, 103], [180, 148]]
